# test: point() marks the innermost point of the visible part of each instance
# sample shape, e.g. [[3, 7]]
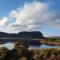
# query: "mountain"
[[23, 34], [7, 35], [53, 37], [33, 34]]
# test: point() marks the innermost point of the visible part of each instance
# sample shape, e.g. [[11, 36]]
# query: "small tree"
[[23, 58], [3, 53], [21, 48]]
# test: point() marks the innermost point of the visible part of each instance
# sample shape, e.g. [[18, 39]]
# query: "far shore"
[[53, 43]]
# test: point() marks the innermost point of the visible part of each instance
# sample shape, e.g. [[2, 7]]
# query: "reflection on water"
[[8, 45], [11, 46], [43, 47]]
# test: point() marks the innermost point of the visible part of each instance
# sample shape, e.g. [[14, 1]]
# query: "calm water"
[[43, 47], [11, 46], [8, 45]]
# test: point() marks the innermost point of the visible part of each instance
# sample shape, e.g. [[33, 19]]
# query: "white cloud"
[[31, 16], [3, 21]]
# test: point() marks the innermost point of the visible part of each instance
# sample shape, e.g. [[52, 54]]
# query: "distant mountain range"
[[24, 34], [54, 37]]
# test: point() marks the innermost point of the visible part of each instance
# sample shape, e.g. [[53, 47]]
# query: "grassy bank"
[[50, 41]]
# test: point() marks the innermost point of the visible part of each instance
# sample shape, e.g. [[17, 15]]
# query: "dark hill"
[[33, 34]]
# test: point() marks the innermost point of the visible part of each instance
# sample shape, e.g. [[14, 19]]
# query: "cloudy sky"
[[30, 15]]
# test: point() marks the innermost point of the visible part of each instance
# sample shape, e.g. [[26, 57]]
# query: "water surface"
[[11, 46]]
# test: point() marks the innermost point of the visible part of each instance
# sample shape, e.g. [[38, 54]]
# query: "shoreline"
[[52, 43]]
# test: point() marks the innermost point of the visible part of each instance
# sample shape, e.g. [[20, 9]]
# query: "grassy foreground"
[[21, 52]]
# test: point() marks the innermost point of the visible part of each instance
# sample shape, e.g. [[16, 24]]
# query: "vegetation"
[[51, 41], [21, 52]]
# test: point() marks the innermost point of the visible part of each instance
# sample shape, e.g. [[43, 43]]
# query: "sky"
[[30, 15]]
